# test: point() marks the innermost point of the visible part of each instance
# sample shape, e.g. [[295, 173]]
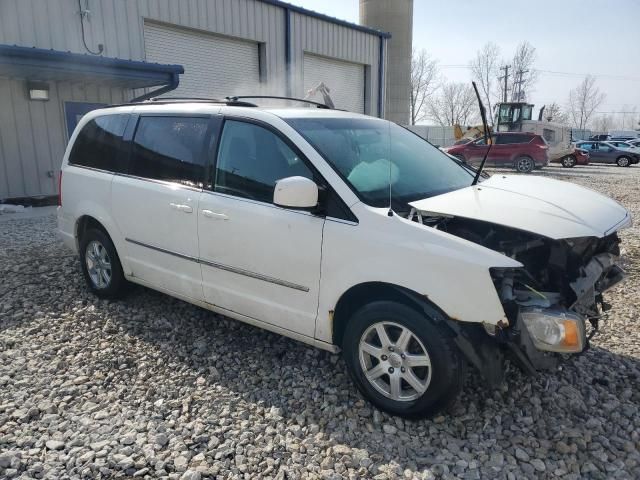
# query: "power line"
[[597, 75], [572, 74], [634, 113]]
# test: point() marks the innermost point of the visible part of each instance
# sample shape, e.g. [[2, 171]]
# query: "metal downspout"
[[287, 50], [172, 85]]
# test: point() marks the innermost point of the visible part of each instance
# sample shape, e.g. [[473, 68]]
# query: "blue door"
[[74, 111]]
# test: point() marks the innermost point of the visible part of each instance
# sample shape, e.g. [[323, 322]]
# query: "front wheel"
[[623, 162], [569, 161], [524, 164], [401, 361]]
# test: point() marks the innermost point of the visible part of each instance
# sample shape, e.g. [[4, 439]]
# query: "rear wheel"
[[101, 265], [569, 161], [524, 164], [623, 162], [401, 361]]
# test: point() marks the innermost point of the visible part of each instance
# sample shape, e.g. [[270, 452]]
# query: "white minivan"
[[343, 231]]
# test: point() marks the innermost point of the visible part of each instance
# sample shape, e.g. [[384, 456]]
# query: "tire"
[[569, 161], [101, 265], [623, 161], [437, 385], [524, 164]]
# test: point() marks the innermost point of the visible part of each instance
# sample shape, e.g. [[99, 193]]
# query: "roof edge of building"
[[326, 18]]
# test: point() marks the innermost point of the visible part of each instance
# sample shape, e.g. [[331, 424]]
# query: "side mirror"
[[296, 192]]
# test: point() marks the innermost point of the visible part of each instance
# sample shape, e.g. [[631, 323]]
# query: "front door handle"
[[214, 215], [181, 207]]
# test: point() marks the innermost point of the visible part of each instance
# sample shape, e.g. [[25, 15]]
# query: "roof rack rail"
[[235, 98], [169, 100], [185, 99]]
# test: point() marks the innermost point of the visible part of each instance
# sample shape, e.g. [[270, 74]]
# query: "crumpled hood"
[[547, 207]]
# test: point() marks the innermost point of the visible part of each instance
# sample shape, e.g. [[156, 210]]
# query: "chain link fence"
[[435, 134]]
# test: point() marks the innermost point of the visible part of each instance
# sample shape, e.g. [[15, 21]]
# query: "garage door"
[[214, 66], [344, 79]]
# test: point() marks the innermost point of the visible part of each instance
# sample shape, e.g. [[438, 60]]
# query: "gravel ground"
[[154, 387]]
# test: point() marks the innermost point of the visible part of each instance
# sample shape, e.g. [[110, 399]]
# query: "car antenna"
[[390, 212], [483, 115]]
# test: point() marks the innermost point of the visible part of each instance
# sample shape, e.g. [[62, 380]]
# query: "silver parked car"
[[606, 152]]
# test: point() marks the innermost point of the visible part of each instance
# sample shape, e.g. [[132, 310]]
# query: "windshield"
[[371, 153]]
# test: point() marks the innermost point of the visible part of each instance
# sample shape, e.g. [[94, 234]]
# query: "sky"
[[572, 38]]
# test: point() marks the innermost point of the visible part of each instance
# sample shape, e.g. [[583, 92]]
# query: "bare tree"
[[583, 102], [523, 76], [454, 105], [555, 113], [424, 80], [485, 71], [603, 123], [627, 118]]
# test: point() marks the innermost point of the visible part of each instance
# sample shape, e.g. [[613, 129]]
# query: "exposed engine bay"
[[559, 288]]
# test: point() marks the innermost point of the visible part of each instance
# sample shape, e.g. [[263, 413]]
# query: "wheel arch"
[[474, 343], [87, 221]]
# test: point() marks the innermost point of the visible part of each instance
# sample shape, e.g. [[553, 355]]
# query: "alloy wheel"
[[394, 361], [524, 165], [98, 264], [568, 161]]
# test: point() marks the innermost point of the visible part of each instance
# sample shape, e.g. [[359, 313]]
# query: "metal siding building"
[[227, 47]]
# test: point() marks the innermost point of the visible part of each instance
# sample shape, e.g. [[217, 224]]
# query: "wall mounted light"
[[38, 91]]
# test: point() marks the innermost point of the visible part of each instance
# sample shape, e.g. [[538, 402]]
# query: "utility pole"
[[506, 79], [519, 74]]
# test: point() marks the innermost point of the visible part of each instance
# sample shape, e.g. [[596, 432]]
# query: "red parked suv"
[[520, 150]]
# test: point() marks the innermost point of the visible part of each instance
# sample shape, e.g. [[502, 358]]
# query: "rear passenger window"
[[251, 159], [514, 138], [170, 149], [99, 144]]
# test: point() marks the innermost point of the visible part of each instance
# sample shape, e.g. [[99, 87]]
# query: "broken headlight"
[[555, 330]]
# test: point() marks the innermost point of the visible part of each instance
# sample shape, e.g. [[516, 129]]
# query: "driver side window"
[[251, 159]]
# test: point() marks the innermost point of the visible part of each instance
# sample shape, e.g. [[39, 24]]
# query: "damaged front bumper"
[[541, 326]]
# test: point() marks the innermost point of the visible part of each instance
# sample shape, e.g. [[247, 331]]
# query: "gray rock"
[[161, 439], [389, 429], [522, 455], [55, 445], [5, 459], [538, 464], [563, 448], [191, 475], [180, 463], [124, 463], [97, 446]]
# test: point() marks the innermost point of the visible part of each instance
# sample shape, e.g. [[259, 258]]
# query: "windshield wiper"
[[483, 115]]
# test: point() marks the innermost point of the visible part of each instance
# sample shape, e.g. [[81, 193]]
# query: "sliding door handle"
[[181, 207], [214, 215]]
